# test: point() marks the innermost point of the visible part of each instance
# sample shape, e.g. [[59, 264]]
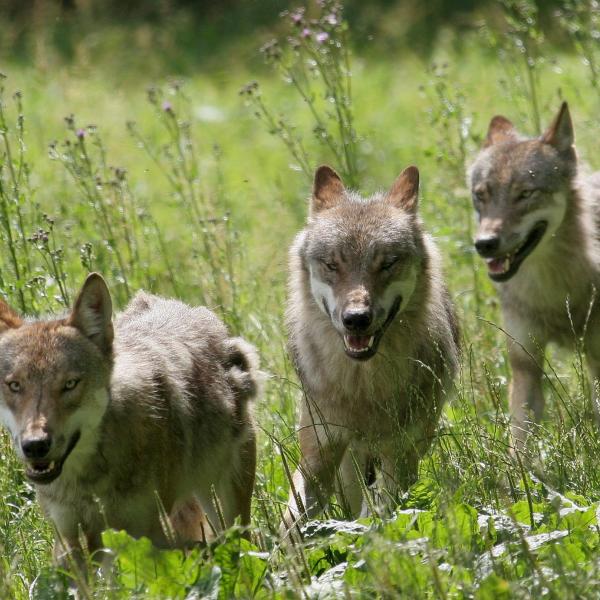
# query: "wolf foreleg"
[[312, 482], [526, 396], [594, 370]]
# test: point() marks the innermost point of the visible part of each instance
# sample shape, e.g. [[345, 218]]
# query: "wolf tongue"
[[496, 265], [358, 342]]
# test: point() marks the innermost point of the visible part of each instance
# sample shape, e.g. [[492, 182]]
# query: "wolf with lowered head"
[[374, 339], [115, 425], [538, 234]]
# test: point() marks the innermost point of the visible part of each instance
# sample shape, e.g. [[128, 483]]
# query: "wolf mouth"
[[502, 268], [47, 471], [363, 347]]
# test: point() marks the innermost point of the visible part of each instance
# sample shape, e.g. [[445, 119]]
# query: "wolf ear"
[[405, 191], [92, 312], [8, 317], [560, 133], [499, 130], [328, 189]]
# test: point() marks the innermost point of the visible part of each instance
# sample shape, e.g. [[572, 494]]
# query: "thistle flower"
[[297, 16]]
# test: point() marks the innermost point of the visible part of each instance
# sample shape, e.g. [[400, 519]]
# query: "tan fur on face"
[[42, 356], [345, 263]]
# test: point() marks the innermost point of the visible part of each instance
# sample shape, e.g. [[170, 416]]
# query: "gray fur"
[[385, 408], [552, 296]]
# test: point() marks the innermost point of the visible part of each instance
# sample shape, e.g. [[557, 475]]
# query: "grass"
[[182, 191]]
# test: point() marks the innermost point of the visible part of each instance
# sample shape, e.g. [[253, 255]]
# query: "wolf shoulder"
[[178, 349]]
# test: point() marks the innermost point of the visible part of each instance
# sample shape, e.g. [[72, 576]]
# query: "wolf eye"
[[386, 266], [526, 194], [479, 196], [330, 266], [70, 384], [14, 386]]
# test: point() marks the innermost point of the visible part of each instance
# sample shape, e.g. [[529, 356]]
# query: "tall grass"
[[159, 195], [314, 58]]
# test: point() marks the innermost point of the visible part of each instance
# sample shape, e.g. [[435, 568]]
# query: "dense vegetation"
[[130, 156]]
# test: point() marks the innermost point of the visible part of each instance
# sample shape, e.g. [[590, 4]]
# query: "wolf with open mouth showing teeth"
[[539, 223], [374, 339], [117, 425]]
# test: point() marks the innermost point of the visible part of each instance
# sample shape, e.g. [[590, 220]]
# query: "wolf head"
[[520, 189], [54, 378], [362, 256]]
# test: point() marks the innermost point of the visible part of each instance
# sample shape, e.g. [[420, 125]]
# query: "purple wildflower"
[[322, 37], [297, 16], [167, 107], [305, 32], [331, 19], [80, 133]]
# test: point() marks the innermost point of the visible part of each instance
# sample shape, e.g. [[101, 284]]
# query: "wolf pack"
[[145, 422]]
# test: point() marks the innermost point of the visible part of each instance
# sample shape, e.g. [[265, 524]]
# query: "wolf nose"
[[356, 319], [36, 447], [487, 245]]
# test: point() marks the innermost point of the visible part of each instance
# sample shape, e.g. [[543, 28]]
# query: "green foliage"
[[314, 59], [182, 192], [581, 20], [520, 51]]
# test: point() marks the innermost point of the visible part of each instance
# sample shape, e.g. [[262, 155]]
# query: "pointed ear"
[[92, 312], [8, 317], [500, 130], [405, 191], [560, 133], [328, 189]]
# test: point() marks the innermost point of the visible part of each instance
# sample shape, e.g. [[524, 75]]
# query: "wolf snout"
[[487, 245], [357, 319], [36, 448]]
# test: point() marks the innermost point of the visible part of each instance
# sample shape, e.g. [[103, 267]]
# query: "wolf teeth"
[[49, 468], [365, 349]]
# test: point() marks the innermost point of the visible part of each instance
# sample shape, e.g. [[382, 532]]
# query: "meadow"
[[191, 181]]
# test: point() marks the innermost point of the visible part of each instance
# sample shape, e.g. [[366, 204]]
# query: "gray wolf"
[[538, 234], [120, 426], [374, 339]]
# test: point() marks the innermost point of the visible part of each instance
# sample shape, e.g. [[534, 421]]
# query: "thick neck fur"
[[409, 340], [564, 267]]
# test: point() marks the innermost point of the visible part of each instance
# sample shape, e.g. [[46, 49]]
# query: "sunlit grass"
[[471, 526]]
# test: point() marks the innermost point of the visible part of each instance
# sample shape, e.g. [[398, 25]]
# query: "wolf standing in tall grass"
[[539, 235], [114, 427], [374, 339]]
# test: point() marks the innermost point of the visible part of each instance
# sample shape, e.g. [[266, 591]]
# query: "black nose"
[[357, 319], [36, 447], [487, 245]]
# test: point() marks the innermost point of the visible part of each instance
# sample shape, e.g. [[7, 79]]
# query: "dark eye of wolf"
[[387, 265], [526, 194]]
